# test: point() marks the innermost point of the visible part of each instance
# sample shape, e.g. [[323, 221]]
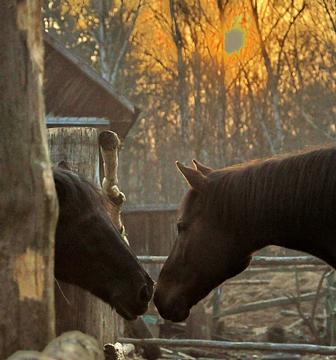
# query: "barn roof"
[[74, 90]]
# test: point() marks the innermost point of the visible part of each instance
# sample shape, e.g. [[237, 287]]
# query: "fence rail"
[[265, 304], [227, 345], [256, 260]]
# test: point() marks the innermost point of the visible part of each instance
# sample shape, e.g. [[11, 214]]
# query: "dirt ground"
[[263, 325]]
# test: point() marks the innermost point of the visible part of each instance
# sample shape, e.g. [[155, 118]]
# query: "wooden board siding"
[[151, 232]]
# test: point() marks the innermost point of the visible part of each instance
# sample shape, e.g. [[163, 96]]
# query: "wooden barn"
[[73, 90]]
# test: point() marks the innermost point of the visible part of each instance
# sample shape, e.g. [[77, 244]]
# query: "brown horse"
[[89, 251], [228, 214]]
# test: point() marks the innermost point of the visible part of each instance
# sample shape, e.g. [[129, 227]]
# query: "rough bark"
[[222, 93], [272, 83], [27, 194], [181, 74]]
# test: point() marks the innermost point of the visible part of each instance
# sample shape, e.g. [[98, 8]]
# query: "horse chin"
[[179, 315], [123, 312], [175, 314], [129, 312], [118, 303], [177, 310]]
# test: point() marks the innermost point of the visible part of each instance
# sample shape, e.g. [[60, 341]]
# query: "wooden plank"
[[285, 260], [239, 345], [157, 208], [264, 304], [53, 122], [256, 260]]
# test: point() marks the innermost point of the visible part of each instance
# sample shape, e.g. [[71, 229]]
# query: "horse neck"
[[321, 246], [282, 206], [298, 228]]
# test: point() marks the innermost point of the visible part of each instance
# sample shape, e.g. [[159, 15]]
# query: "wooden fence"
[[237, 346]]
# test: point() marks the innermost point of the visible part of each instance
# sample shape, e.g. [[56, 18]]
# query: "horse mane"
[[75, 189], [286, 191]]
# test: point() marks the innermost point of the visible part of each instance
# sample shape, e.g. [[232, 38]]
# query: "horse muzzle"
[[170, 307]]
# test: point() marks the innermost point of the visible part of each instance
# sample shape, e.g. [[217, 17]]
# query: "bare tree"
[[221, 4], [181, 68], [273, 71]]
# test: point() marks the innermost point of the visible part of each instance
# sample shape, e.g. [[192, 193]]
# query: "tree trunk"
[[181, 76], [27, 195], [272, 84], [222, 96]]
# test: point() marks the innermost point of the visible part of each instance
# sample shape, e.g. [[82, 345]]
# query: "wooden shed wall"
[[151, 232]]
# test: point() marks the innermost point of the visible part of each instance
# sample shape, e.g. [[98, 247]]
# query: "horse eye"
[[181, 226]]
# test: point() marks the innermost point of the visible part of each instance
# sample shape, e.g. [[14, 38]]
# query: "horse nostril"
[[145, 293]]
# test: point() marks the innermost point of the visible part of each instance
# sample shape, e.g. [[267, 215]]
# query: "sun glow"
[[240, 37], [232, 37]]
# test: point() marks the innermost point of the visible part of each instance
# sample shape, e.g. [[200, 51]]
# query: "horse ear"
[[202, 168], [64, 165], [194, 178]]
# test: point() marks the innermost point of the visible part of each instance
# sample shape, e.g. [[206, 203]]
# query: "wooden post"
[[28, 209], [216, 304], [77, 309], [330, 306], [77, 147], [109, 144]]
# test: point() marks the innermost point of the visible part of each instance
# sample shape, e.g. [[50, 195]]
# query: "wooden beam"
[[54, 122], [264, 304], [150, 208], [256, 261], [239, 345]]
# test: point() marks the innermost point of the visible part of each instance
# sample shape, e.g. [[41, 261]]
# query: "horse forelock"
[[274, 191], [74, 189]]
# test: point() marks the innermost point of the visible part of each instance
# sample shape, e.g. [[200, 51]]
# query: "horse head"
[[90, 252], [204, 253]]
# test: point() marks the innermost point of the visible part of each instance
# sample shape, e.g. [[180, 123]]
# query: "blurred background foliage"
[[221, 81]]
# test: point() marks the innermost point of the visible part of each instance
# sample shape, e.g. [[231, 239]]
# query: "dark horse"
[[89, 251], [228, 214]]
